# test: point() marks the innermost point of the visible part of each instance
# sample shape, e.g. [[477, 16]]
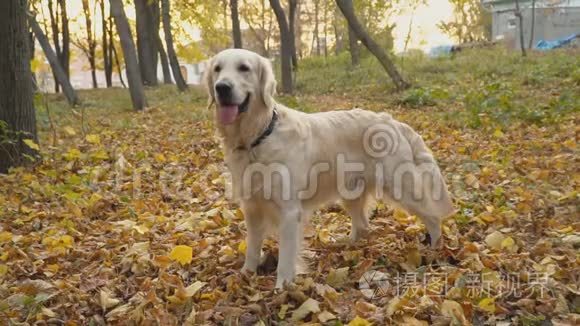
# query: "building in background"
[[554, 19]]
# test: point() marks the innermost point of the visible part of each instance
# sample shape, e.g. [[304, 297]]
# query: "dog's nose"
[[224, 89]]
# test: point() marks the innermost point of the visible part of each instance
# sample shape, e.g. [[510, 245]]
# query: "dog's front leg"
[[256, 229], [290, 224]]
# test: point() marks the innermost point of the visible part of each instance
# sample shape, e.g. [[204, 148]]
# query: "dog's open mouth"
[[227, 113]]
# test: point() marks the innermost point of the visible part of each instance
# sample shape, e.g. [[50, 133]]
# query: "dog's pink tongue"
[[227, 114]]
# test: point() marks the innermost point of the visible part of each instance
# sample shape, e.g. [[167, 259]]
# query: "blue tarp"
[[550, 45], [440, 51]]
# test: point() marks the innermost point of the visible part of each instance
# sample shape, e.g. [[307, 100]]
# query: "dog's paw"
[[358, 235], [280, 283], [248, 270]]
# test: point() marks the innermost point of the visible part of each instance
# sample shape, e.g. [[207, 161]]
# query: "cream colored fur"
[[300, 142]]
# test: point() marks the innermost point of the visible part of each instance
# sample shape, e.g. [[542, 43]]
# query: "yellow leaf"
[[34, 64], [325, 316], [67, 241], [508, 243], [358, 321], [242, 247], [70, 131], [337, 277], [568, 229], [160, 158], [487, 304], [5, 236], [53, 268], [142, 229], [100, 155], [309, 306], [494, 240], [191, 290], [72, 154], [324, 236], [93, 139], [3, 270], [30, 143], [282, 312], [182, 254], [498, 133]]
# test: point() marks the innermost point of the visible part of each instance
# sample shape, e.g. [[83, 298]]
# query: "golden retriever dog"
[[285, 164]]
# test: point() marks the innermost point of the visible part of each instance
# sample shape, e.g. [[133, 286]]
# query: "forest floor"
[[125, 221]]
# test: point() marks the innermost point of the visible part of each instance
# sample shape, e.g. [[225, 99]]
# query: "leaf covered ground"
[[125, 220]]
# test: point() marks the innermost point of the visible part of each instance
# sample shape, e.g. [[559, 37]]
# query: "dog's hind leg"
[[359, 210]]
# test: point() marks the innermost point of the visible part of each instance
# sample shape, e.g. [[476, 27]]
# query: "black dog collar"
[[268, 130]]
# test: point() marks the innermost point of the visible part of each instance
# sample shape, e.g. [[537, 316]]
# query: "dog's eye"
[[243, 68], [217, 68]]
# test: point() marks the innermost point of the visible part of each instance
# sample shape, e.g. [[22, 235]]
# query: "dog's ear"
[[207, 81], [267, 82]]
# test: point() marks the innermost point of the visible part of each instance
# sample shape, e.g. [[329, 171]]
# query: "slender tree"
[[236, 31], [292, 16], [147, 47], [533, 25], [55, 29], [316, 37], [164, 62], [65, 32], [90, 47], [107, 55], [132, 67], [57, 69], [285, 45], [118, 63], [347, 10], [160, 47], [17, 117], [518, 14], [175, 68], [353, 47]]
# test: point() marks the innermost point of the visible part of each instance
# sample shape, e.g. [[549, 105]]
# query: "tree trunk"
[[107, 60], [292, 6], [325, 31], [236, 31], [17, 117], [338, 36], [533, 27], [53, 14], [146, 41], [347, 10], [521, 28], [132, 67], [316, 23], [91, 49], [58, 71], [65, 49], [285, 45], [116, 56], [175, 68], [164, 62]]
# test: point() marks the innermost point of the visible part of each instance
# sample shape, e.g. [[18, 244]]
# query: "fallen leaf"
[[487, 304], [494, 240], [309, 306], [182, 254], [358, 321]]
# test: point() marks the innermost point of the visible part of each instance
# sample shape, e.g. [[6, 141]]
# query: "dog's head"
[[239, 82]]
